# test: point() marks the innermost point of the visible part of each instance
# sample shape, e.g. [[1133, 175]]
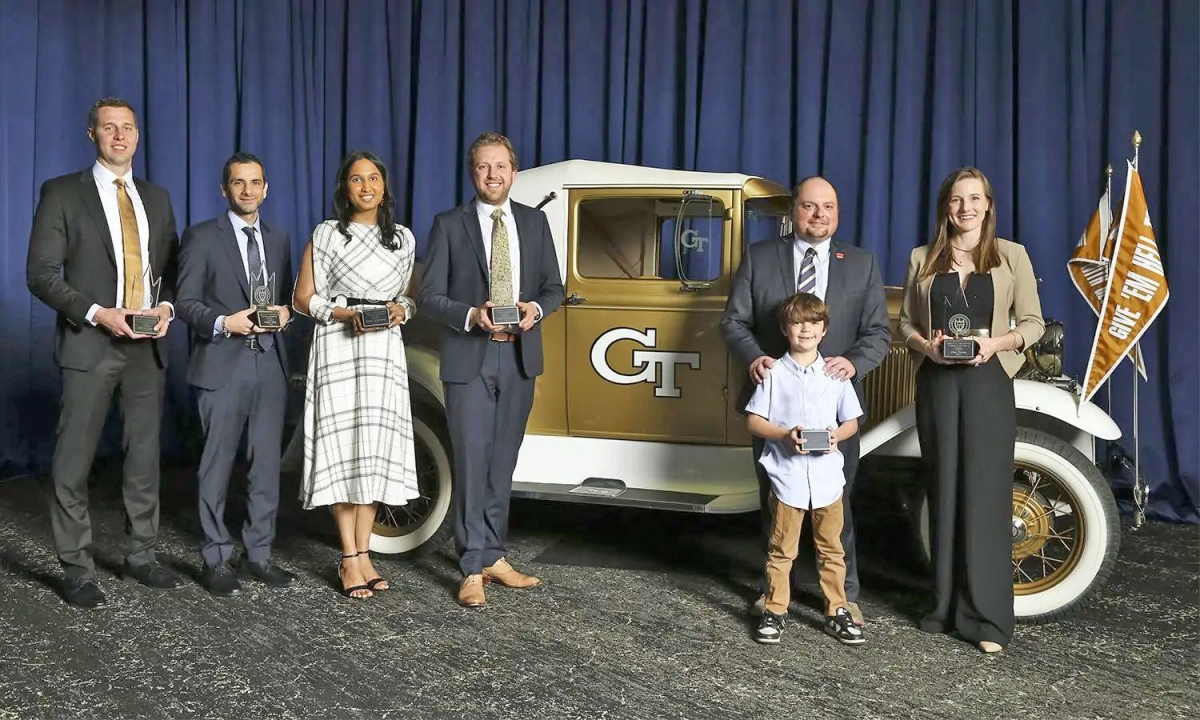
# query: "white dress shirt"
[[112, 213], [486, 225], [821, 262], [791, 396]]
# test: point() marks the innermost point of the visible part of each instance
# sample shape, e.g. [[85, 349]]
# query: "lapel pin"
[[840, 255]]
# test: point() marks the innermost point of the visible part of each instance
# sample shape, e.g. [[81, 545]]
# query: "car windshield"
[[766, 218]]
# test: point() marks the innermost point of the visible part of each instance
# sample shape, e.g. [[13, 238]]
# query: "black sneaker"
[[770, 628], [842, 627]]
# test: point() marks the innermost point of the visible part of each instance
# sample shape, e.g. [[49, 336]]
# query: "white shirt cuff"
[[91, 314]]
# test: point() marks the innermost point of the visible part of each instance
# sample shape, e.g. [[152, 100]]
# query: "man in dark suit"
[[490, 252], [104, 248], [239, 369], [847, 278]]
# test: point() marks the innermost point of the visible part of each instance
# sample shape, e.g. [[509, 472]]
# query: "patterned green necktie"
[[501, 268]]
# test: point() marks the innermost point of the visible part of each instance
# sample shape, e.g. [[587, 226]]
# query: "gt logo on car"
[[650, 361]]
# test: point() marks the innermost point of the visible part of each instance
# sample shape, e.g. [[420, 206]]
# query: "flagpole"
[[1103, 241], [1139, 516]]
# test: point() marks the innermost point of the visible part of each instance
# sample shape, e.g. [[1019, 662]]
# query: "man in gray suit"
[[847, 278], [103, 248], [239, 369], [489, 252]]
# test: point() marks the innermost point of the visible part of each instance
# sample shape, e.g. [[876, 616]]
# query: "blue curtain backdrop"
[[884, 97]]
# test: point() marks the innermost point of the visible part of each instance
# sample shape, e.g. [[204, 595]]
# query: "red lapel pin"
[[840, 256]]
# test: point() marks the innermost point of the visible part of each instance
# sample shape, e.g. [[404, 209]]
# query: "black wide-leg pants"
[[966, 423]]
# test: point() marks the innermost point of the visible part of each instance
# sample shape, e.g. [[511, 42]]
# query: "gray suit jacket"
[[72, 265], [212, 282], [455, 279], [858, 316]]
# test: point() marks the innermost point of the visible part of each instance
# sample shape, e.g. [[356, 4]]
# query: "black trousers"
[[86, 398], [849, 450], [254, 398], [486, 418], [966, 422]]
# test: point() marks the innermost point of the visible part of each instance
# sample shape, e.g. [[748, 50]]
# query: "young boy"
[[797, 395]]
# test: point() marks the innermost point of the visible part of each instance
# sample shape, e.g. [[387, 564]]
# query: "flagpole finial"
[[1137, 139], [1108, 170]]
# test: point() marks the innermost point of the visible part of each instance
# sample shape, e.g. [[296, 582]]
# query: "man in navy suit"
[[239, 369], [104, 247], [847, 278], [489, 252]]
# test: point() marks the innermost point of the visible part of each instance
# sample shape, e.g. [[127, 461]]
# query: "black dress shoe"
[[220, 581], [153, 575], [267, 572], [84, 594]]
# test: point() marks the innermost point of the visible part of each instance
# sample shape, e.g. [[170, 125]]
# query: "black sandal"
[[373, 582], [349, 591]]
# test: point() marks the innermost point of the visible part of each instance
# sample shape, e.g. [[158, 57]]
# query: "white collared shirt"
[[792, 396], [240, 236], [112, 214], [821, 262]]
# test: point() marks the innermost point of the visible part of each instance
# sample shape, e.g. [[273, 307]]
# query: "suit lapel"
[[787, 267], [835, 283], [529, 258], [228, 241], [91, 199], [475, 235]]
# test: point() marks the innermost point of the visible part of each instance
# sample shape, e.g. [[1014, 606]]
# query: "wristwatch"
[[224, 328]]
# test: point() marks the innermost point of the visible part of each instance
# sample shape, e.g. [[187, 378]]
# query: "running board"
[[602, 491]]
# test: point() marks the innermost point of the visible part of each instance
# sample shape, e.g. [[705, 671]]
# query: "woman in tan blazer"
[[968, 282]]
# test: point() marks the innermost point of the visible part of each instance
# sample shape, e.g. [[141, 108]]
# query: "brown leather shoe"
[[503, 573], [470, 592]]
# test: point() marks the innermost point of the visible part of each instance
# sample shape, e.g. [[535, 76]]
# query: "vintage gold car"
[[637, 403]]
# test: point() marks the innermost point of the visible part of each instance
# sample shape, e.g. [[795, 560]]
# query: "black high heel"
[[349, 592], [373, 583]]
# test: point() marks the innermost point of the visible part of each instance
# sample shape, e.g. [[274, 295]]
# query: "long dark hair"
[[343, 209], [986, 255]]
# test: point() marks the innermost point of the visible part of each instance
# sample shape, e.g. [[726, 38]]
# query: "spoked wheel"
[[1065, 528], [423, 522]]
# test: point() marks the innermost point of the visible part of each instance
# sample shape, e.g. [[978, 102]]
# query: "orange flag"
[[1091, 260], [1136, 291]]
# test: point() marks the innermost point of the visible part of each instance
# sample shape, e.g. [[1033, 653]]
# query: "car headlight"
[[1046, 355]]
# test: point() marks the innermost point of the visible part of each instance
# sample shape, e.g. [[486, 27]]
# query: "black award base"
[[505, 315], [375, 317], [266, 319], [959, 349], [142, 324]]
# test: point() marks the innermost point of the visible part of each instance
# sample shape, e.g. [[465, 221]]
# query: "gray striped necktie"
[[808, 272]]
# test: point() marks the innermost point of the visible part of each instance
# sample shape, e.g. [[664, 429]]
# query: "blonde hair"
[[491, 138]]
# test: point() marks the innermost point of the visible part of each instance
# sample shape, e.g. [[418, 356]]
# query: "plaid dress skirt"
[[358, 436]]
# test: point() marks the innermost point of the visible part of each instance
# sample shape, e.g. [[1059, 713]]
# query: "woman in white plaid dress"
[[358, 439]]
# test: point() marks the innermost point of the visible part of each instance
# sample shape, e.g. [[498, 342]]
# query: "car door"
[[647, 278]]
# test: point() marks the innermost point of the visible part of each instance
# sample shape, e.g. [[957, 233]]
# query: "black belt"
[[360, 301], [253, 343]]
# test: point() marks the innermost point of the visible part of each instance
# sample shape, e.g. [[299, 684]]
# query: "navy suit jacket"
[[72, 265], [455, 279], [858, 317], [212, 282]]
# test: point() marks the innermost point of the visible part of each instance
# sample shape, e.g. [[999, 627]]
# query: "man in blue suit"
[[239, 369], [489, 252]]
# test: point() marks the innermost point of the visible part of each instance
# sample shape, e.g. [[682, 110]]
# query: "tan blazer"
[[1016, 294]]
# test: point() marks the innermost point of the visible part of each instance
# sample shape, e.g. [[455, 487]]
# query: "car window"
[[634, 238]]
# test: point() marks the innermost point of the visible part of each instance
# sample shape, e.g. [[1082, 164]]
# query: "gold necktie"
[[501, 267], [131, 244]]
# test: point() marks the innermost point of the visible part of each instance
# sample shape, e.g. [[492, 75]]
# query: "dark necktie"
[[256, 267], [808, 272]]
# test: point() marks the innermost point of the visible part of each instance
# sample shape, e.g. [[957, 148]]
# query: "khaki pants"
[[784, 545]]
